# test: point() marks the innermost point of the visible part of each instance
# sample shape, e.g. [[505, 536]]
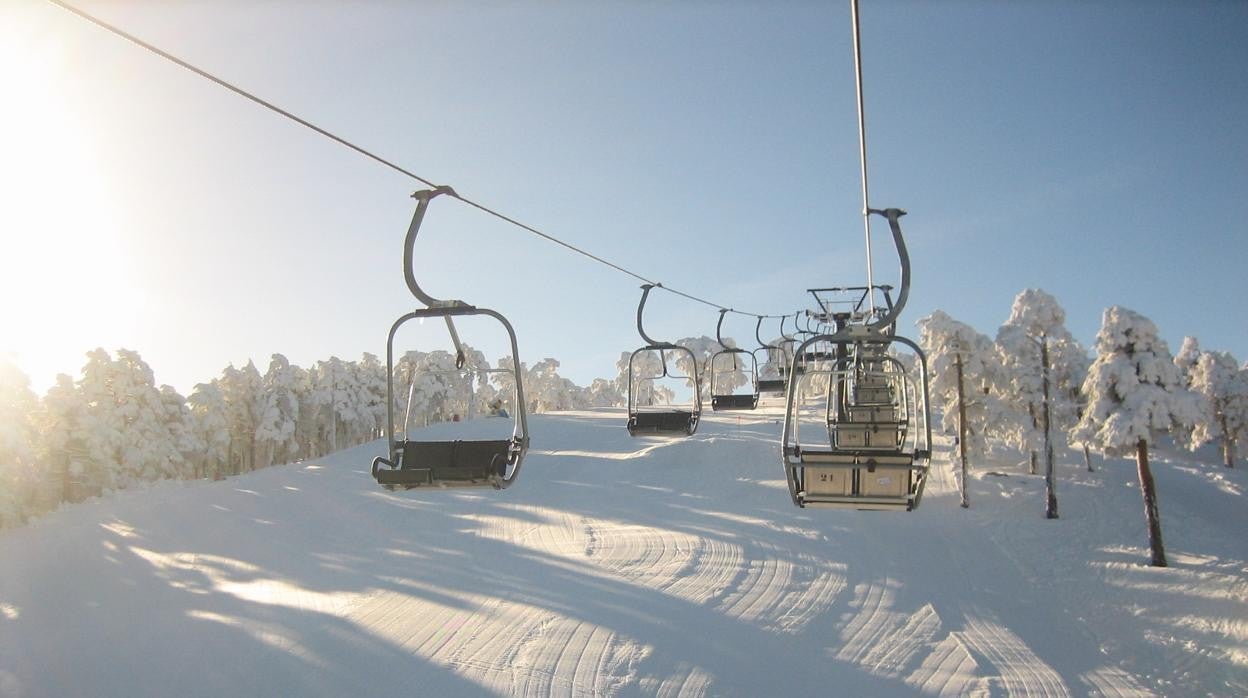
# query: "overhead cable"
[[373, 156]]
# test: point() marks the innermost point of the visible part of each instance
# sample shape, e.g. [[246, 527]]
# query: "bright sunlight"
[[65, 270]]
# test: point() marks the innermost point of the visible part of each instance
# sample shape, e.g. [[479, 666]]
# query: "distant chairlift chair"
[[727, 362], [872, 452], [660, 419], [773, 368], [416, 463]]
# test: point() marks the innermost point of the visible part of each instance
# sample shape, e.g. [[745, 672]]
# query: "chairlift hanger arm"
[[641, 307], [423, 197], [894, 310], [719, 326]]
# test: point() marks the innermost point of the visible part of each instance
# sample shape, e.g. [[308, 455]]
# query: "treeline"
[[114, 428], [1129, 386]]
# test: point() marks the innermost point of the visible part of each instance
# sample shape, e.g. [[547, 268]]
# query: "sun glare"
[[65, 272]]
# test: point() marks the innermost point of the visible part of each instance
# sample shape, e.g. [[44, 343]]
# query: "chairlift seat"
[[675, 421], [447, 464], [734, 402], [772, 385]]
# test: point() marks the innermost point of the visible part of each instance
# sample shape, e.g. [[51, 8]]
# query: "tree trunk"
[[1034, 458], [1087, 458], [1228, 444], [1150, 505], [962, 428], [1050, 477]]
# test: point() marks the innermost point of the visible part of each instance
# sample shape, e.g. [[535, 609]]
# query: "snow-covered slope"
[[624, 566]]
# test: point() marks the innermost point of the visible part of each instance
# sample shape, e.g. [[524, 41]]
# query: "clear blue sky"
[[1098, 150]]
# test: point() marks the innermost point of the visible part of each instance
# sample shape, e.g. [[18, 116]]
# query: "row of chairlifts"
[[646, 418], [867, 443], [412, 463]]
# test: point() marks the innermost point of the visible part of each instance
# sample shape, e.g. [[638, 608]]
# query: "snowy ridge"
[[621, 566]]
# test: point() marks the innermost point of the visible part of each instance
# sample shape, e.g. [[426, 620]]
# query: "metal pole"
[[862, 152]]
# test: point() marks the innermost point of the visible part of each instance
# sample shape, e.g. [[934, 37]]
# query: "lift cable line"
[[377, 158]]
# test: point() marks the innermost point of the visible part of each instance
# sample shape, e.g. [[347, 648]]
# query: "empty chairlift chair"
[[724, 366], [648, 418], [871, 447], [413, 463], [772, 361]]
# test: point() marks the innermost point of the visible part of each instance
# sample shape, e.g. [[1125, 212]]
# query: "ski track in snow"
[[618, 566]]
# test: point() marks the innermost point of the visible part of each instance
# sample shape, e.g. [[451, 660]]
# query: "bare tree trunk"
[[1050, 478], [1034, 457], [1150, 505], [1087, 458], [1228, 445], [961, 428]]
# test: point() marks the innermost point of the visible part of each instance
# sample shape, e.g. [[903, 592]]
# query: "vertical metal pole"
[[862, 152]]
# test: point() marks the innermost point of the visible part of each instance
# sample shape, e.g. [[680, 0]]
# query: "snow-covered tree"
[[1135, 391], [99, 426], [278, 412], [371, 375], [242, 389], [1223, 389], [547, 391], [210, 418], [1036, 332], [1186, 359], [947, 343], [149, 451], [603, 393], [180, 423], [19, 474], [60, 442]]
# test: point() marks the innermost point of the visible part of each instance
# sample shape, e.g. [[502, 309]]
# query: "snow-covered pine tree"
[[180, 423], [1134, 392], [603, 393], [371, 377], [242, 391], [99, 427], [278, 413], [1043, 367], [149, 451], [703, 349], [944, 341], [1186, 359], [211, 421], [61, 448], [19, 474], [1223, 388]]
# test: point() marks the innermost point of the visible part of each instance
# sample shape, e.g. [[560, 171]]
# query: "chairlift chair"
[[413, 463], [773, 376], [664, 419], [723, 398], [874, 446]]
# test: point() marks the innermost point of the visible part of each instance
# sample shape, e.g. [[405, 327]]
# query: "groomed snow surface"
[[631, 566]]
